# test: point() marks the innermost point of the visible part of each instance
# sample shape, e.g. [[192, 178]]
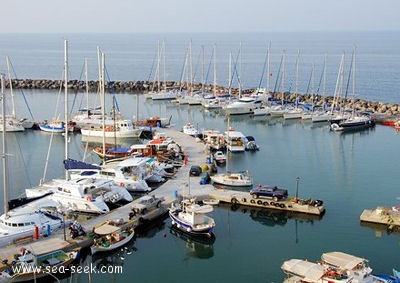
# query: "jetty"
[[385, 216], [383, 111], [181, 185]]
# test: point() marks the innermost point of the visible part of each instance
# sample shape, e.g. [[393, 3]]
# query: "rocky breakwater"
[[137, 87]]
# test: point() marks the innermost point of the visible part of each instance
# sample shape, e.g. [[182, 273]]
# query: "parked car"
[[270, 192], [146, 203], [195, 170]]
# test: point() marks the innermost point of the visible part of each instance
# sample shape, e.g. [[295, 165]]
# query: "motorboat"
[[251, 144], [298, 271], [214, 140], [38, 260], [120, 129], [191, 218], [233, 179], [219, 157], [21, 222], [91, 195], [130, 173], [190, 129], [244, 105], [235, 141], [112, 234], [55, 126]]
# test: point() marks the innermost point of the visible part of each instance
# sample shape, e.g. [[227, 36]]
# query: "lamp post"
[[297, 186]]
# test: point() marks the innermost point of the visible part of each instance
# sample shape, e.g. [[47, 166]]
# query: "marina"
[[331, 178]]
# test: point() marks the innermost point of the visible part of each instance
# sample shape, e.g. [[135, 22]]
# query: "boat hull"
[[205, 230], [98, 248]]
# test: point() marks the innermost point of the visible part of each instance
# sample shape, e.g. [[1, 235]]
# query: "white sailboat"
[[232, 179], [119, 129], [22, 221]]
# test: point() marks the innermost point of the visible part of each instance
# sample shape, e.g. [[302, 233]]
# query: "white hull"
[[97, 248]]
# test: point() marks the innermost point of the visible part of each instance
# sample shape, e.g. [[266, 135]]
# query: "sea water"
[[349, 172]]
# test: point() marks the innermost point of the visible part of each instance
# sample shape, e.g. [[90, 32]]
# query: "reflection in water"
[[197, 247], [272, 217]]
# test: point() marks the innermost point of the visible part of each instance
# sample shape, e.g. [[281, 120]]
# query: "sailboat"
[[85, 194], [232, 179], [356, 121], [23, 221], [12, 123], [121, 128]]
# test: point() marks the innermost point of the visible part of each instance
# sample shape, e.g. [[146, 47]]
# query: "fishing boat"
[[54, 126], [219, 157], [38, 260], [119, 151], [298, 271], [191, 218], [111, 235], [190, 129], [235, 140]]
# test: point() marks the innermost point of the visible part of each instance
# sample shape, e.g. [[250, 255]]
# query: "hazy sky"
[[56, 16]]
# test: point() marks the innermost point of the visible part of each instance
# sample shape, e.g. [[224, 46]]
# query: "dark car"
[[270, 192], [195, 170]]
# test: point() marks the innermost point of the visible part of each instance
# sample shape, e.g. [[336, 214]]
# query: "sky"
[[102, 16]]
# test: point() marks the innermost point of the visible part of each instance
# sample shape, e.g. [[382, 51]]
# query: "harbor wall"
[[138, 87]]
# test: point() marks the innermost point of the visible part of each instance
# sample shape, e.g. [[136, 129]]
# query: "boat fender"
[[265, 203], [234, 200], [89, 198], [244, 199], [276, 204], [282, 205], [252, 201], [272, 203], [159, 204], [259, 202]]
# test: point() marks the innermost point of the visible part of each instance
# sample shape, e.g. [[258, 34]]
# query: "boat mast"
[[66, 102], [4, 156], [11, 88], [102, 92], [268, 67]]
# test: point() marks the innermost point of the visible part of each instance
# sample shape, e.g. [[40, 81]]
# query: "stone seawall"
[[387, 109]]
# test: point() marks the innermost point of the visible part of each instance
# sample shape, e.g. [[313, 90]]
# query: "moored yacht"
[[86, 195]]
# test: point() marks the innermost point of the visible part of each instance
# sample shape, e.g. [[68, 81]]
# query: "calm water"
[[130, 57], [350, 172]]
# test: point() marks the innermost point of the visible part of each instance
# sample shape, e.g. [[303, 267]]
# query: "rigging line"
[[278, 74], [152, 67], [263, 69], [321, 78], [350, 73], [76, 92], [21, 90], [23, 162], [209, 67], [112, 90], [51, 137]]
